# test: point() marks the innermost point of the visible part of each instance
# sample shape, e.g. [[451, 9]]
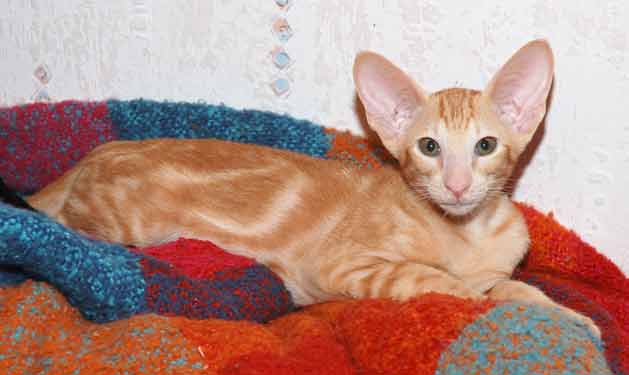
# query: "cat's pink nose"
[[457, 176], [457, 187]]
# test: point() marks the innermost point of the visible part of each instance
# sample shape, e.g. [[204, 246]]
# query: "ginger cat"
[[438, 222]]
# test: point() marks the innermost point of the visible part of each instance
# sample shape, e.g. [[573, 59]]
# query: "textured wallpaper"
[[295, 56]]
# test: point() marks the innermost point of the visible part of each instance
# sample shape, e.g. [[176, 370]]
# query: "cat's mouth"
[[458, 208]]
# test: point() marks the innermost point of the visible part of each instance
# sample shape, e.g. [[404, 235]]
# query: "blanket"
[[71, 305]]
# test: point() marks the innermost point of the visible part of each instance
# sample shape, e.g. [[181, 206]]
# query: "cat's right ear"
[[519, 91], [390, 97]]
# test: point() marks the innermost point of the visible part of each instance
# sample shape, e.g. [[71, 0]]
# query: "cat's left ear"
[[519, 91]]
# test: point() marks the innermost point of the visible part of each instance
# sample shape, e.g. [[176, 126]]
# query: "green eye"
[[429, 147], [486, 146]]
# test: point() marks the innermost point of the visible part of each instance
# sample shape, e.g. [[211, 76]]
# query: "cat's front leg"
[[518, 291], [400, 281]]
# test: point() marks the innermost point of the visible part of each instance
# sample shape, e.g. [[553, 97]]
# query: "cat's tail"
[[10, 197]]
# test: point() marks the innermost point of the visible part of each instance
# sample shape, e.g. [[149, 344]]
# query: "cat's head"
[[457, 147]]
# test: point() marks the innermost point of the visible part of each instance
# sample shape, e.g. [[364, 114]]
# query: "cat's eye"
[[429, 147], [486, 146]]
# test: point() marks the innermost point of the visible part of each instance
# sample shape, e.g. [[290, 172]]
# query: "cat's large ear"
[[391, 98], [519, 91]]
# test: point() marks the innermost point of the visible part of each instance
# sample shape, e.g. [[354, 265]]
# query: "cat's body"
[[323, 228], [439, 222]]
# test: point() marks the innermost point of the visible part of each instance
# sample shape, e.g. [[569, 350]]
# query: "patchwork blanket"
[[71, 305]]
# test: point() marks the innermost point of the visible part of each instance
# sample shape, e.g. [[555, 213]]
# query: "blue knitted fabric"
[[104, 281], [524, 339], [144, 119]]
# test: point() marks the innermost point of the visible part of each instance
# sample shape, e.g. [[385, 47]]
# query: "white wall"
[[218, 51]]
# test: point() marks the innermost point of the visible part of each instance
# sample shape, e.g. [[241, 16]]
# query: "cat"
[[438, 221], [10, 197]]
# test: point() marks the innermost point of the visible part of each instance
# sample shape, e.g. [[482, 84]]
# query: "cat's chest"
[[491, 248]]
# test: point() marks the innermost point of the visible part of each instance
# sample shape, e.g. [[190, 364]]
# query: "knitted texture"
[[141, 291], [38, 142], [49, 337], [433, 334], [143, 119], [529, 340], [104, 281], [573, 273]]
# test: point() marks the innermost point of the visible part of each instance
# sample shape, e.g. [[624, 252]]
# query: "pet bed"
[[71, 305]]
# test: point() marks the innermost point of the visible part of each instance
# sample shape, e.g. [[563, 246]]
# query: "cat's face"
[[454, 155], [457, 147]]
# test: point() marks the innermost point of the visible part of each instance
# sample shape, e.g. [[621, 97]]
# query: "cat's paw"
[[456, 288]]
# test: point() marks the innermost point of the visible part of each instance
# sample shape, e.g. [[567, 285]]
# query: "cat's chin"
[[458, 209]]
